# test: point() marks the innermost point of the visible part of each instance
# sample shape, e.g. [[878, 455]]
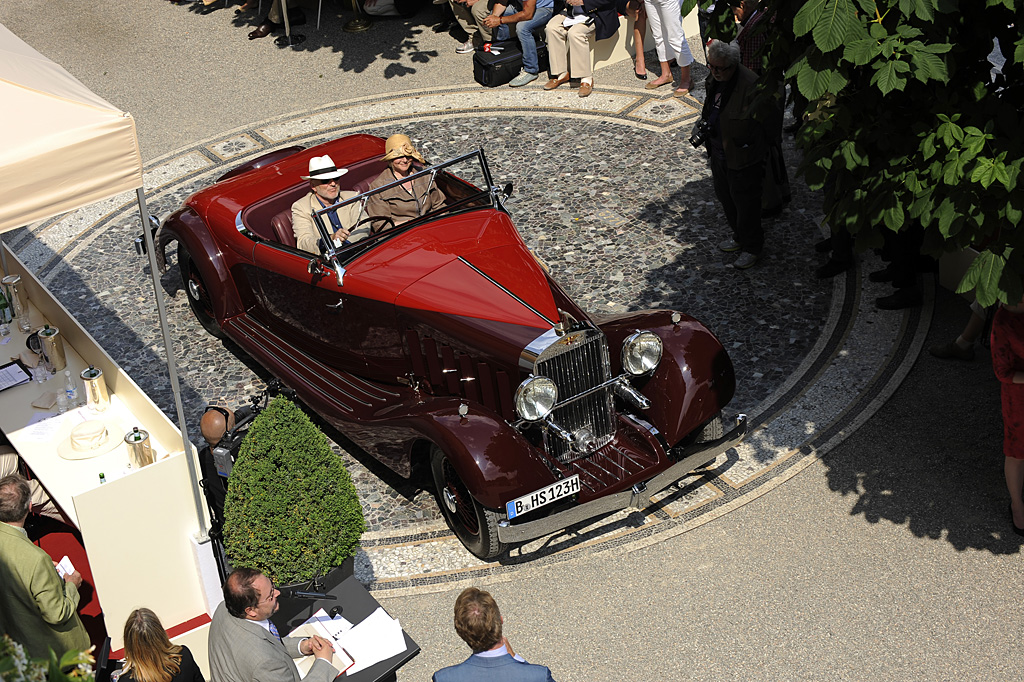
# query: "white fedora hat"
[[91, 438], [323, 168]]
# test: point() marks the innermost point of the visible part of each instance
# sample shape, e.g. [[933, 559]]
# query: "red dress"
[[1008, 358]]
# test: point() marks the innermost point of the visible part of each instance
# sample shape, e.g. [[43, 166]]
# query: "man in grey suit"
[[478, 621], [246, 647]]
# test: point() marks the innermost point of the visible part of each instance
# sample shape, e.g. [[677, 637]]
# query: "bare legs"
[[1014, 471], [638, 14]]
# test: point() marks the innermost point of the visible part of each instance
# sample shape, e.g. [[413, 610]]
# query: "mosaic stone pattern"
[[609, 193]]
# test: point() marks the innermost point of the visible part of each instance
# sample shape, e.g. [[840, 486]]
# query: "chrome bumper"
[[638, 496]]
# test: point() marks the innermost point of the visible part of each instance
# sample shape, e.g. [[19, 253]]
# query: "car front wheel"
[[198, 293], [474, 525]]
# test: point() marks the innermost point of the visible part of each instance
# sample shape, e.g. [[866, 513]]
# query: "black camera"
[[699, 134]]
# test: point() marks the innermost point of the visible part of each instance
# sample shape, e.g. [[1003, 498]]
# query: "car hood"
[[473, 265]]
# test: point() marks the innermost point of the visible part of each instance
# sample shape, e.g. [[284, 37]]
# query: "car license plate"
[[546, 495]]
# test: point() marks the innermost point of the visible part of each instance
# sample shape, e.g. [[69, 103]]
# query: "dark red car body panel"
[[415, 332]]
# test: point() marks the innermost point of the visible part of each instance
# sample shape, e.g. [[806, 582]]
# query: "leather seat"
[[282, 224]]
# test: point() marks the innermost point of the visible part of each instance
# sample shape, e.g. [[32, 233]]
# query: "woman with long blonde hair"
[[149, 655]]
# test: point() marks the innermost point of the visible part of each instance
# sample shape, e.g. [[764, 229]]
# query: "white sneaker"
[[522, 79], [465, 48]]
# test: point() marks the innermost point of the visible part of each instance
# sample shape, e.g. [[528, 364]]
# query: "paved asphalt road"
[[892, 558]]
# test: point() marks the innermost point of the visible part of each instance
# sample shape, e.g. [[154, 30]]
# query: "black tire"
[[475, 526], [197, 292]]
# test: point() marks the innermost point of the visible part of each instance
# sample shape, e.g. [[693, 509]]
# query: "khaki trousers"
[[471, 20], [570, 44]]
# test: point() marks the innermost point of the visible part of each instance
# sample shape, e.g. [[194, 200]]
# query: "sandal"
[[683, 92]]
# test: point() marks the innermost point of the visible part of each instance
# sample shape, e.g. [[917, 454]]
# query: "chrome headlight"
[[535, 398], [641, 353]]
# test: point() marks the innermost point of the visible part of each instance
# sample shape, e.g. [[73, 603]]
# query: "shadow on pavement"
[[932, 458]]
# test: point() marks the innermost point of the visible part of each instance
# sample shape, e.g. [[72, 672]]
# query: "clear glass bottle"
[[70, 388]]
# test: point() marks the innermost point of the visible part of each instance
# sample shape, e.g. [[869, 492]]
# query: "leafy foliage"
[[16, 666], [291, 509], [907, 124]]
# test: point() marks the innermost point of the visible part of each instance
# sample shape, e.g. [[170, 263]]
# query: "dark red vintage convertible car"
[[444, 343]]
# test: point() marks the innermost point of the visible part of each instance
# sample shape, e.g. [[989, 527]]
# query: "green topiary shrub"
[[291, 510]]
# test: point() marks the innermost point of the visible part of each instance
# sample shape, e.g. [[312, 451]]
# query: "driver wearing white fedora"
[[325, 190]]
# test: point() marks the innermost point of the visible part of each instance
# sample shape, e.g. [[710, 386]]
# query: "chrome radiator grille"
[[577, 362]]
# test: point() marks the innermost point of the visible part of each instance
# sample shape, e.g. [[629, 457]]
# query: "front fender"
[[188, 228], [493, 459], [694, 380]]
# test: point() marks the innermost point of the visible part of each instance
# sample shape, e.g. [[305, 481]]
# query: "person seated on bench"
[[528, 16], [402, 202], [325, 190], [571, 40]]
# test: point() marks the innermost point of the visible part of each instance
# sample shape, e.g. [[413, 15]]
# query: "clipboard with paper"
[[376, 638]]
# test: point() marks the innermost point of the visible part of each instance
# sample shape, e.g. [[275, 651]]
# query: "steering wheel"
[[376, 219]]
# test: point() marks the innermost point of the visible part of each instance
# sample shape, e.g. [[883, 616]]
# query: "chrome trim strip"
[[528, 358]]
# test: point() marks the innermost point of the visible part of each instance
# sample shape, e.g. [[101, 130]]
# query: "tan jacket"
[[400, 205], [306, 234], [37, 608]]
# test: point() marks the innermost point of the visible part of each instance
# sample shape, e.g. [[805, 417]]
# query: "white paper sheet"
[[377, 638], [43, 426]]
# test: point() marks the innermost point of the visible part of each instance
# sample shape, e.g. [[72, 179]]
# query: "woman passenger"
[[409, 200], [150, 657]]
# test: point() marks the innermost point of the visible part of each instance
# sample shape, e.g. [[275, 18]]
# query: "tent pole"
[[172, 370]]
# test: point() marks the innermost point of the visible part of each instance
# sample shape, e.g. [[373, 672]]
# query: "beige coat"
[[306, 234], [37, 608], [400, 205]]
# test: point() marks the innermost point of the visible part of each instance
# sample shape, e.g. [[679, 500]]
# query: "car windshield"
[[457, 185]]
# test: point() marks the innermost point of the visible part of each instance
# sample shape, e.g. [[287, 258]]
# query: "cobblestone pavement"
[[624, 223]]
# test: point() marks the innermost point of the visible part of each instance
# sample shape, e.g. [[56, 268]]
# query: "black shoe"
[[824, 246], [903, 298], [886, 274], [772, 212], [832, 268], [444, 26]]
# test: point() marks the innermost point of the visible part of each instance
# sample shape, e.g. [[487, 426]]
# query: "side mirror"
[[507, 190]]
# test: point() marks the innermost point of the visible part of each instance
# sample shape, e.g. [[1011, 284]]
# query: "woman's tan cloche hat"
[[398, 146]]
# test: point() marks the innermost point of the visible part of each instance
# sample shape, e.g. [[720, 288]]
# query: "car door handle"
[[339, 305]]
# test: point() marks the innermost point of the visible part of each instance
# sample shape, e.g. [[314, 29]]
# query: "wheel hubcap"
[[449, 500], [193, 290]]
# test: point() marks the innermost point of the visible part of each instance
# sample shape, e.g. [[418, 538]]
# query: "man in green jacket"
[[37, 608]]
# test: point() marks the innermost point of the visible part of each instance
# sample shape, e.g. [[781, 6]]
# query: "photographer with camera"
[[733, 132]]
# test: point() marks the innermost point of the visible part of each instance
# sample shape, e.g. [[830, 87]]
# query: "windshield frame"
[[340, 256]]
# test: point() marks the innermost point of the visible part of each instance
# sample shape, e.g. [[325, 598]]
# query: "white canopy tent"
[[63, 147]]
